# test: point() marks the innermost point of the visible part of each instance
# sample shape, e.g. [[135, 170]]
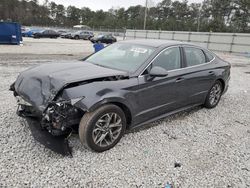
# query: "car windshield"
[[122, 56]]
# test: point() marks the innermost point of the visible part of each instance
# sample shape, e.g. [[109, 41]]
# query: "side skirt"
[[163, 116]]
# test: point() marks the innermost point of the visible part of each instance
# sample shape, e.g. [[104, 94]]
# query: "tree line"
[[210, 15]]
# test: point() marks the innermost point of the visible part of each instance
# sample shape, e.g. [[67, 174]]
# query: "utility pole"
[[199, 20], [145, 17], [199, 16]]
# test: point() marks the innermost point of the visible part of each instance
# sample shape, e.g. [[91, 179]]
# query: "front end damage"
[[45, 94], [61, 118], [53, 126]]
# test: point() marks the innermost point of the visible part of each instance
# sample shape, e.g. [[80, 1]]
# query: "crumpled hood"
[[40, 84]]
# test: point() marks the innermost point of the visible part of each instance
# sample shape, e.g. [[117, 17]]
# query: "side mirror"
[[158, 72]]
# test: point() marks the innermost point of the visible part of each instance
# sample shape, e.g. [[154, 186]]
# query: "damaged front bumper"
[[58, 144], [52, 127]]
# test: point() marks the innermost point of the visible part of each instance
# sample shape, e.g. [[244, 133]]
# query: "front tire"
[[214, 95], [103, 128]]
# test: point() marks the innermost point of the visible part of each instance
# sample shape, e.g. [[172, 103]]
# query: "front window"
[[122, 56], [170, 59]]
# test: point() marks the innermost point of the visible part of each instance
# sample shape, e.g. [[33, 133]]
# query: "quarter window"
[[209, 56], [194, 56], [169, 59]]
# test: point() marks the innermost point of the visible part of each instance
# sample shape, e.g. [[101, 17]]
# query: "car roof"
[[154, 42]]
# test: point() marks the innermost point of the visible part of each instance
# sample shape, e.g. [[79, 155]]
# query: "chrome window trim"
[[179, 68]]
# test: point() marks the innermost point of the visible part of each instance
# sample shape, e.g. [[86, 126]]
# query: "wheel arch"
[[121, 103], [222, 82], [126, 111]]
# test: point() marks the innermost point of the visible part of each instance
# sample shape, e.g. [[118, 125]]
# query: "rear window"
[[194, 56]]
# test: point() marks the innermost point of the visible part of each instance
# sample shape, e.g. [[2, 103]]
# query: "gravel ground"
[[196, 148]]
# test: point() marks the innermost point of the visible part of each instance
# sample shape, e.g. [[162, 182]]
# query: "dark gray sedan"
[[125, 85], [46, 34]]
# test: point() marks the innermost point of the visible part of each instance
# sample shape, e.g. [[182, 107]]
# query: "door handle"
[[211, 72], [180, 79]]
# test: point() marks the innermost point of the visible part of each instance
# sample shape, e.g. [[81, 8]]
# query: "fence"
[[226, 42]]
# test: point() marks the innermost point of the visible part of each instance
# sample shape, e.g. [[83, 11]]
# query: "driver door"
[[160, 95]]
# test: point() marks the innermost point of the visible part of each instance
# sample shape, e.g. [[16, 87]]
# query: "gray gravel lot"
[[212, 146]]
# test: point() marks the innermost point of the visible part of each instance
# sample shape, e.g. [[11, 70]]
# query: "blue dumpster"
[[10, 33]]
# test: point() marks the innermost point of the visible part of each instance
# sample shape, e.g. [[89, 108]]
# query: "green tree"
[[212, 15], [73, 15]]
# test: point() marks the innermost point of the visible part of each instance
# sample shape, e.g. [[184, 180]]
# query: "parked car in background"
[[23, 29], [66, 35], [29, 32], [82, 27], [107, 39], [61, 32], [46, 34], [123, 86], [86, 35]]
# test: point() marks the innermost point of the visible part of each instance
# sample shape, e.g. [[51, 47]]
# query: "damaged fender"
[[92, 95]]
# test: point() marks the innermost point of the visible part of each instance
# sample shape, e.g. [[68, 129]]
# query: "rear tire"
[[76, 37], [214, 95], [103, 128]]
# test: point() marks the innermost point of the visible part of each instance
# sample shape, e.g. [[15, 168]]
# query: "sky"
[[107, 4]]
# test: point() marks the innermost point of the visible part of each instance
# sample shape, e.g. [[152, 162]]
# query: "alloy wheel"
[[107, 129], [215, 94]]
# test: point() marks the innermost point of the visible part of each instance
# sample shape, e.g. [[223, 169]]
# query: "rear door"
[[199, 74], [53, 33], [46, 33], [82, 35]]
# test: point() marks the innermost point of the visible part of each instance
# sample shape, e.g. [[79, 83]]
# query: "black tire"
[[209, 103], [88, 125], [76, 37]]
